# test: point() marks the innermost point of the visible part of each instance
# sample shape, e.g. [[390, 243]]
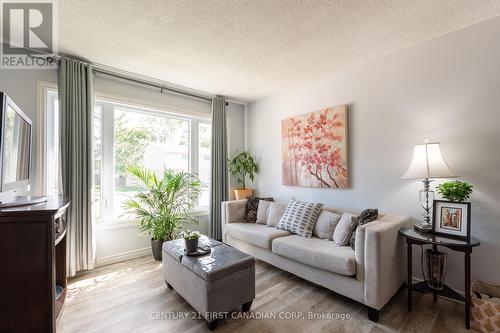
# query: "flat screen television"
[[15, 146]]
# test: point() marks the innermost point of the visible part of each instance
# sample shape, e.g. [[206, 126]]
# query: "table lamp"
[[427, 164]]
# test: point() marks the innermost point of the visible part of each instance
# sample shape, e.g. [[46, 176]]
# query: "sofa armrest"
[[384, 259], [233, 211]]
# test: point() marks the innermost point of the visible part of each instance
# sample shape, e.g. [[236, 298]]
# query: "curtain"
[[76, 107], [219, 176]]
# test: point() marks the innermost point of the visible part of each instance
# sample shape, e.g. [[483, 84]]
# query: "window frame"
[[107, 157], [45, 134]]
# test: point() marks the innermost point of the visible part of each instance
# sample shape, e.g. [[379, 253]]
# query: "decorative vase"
[[191, 245], [436, 269], [156, 247], [242, 193]]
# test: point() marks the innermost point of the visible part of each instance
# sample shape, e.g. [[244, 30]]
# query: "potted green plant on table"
[[243, 167], [165, 203], [191, 240], [456, 191]]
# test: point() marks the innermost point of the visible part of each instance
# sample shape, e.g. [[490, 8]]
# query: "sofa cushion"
[[344, 228], [263, 211], [299, 217], [256, 234], [276, 211], [318, 253], [325, 224]]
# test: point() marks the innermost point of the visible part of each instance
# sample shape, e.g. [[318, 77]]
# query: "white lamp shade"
[[428, 162]]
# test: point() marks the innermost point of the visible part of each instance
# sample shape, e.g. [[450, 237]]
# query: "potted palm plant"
[[243, 167], [165, 203]]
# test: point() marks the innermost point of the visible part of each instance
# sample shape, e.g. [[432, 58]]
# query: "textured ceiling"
[[251, 49]]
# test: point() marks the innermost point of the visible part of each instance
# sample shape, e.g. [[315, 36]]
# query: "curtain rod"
[[139, 79], [147, 81]]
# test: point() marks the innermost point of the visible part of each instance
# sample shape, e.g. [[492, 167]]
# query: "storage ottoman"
[[215, 283]]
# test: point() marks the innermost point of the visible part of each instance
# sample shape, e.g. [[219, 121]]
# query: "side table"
[[414, 237]]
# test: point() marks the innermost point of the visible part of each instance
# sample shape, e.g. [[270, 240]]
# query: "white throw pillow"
[[276, 211], [299, 217], [325, 224], [344, 228], [263, 211]]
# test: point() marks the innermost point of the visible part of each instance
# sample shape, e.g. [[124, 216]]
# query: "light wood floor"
[[125, 297]]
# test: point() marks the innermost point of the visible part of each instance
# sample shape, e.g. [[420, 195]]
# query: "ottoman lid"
[[175, 248], [221, 261]]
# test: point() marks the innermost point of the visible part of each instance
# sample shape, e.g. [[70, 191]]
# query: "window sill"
[[116, 224], [200, 212], [131, 223]]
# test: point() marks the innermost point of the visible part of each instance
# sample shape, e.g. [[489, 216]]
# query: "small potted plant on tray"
[[191, 240]]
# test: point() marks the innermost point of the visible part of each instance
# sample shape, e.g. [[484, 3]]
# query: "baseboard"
[[128, 255]]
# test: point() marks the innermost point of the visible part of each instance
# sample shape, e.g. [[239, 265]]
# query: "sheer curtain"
[[219, 177], [76, 107]]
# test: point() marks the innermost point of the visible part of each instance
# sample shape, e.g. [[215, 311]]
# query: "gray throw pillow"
[[263, 211], [325, 224], [366, 216], [299, 217], [344, 228], [276, 211]]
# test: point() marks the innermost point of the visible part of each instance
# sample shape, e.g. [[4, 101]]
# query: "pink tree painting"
[[314, 149]]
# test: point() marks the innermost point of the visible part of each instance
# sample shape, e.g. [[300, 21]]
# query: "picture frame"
[[451, 219]]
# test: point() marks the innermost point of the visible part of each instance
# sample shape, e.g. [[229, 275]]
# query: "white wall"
[[446, 90]]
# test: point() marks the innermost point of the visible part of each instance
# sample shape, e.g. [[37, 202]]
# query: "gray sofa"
[[371, 274]]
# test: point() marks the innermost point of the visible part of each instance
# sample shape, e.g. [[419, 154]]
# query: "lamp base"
[[423, 227]]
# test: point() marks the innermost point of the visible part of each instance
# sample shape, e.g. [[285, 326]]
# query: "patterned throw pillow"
[[366, 216], [251, 207], [299, 217]]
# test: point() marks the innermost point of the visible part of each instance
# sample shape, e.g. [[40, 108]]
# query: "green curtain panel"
[[219, 177], [76, 107]]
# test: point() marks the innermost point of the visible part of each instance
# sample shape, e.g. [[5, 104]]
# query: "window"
[[126, 135], [48, 145]]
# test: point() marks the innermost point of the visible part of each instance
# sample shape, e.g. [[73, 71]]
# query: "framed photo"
[[451, 219]]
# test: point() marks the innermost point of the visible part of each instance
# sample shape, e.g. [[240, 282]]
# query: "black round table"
[[418, 238]]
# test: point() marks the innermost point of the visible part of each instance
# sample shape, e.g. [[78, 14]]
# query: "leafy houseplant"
[[243, 167], [191, 240], [164, 204], [455, 190]]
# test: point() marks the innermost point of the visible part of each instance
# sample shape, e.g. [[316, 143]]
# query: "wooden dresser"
[[32, 264]]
